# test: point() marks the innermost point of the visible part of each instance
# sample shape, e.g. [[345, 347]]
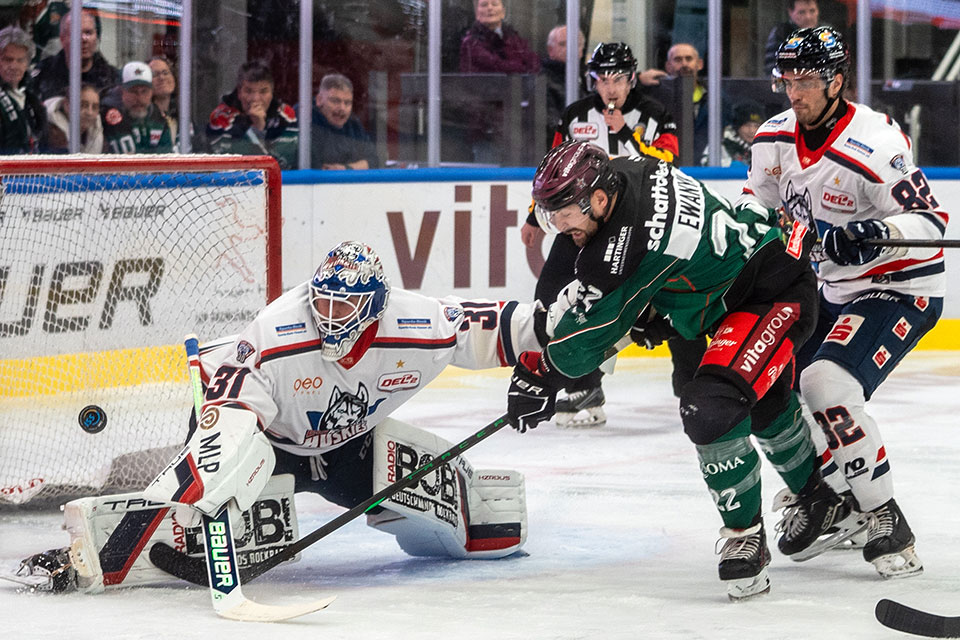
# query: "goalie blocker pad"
[[227, 458], [111, 536], [456, 511]]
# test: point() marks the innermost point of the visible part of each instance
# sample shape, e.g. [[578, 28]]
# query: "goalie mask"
[[348, 293]]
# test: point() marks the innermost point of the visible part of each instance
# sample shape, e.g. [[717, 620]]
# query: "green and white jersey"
[[671, 242]]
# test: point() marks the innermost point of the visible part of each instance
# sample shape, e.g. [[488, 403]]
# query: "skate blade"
[[586, 419], [898, 565], [743, 588], [848, 528], [855, 543]]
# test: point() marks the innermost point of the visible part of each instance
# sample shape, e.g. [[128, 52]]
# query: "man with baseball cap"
[[131, 123]]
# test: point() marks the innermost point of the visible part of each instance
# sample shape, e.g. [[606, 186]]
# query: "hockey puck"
[[92, 419]]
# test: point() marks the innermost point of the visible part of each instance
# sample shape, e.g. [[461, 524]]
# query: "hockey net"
[[105, 264]]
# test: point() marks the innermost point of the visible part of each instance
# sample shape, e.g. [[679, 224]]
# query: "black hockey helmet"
[[611, 58], [569, 174], [819, 50]]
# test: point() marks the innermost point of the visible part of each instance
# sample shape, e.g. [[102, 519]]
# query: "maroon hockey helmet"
[[569, 174]]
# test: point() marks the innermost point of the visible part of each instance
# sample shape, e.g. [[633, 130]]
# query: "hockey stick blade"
[[398, 486], [913, 621], [250, 611], [907, 242]]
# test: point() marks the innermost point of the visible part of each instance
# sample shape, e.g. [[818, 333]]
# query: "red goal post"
[[105, 263]]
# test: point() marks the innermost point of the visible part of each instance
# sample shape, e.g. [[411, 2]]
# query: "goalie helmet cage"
[[105, 264]]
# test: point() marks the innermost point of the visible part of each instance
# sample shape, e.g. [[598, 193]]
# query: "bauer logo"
[[220, 549], [50, 214], [399, 381], [844, 329], [291, 329], [124, 212], [584, 131]]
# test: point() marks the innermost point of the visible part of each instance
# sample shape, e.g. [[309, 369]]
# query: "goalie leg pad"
[[110, 536], [455, 511]]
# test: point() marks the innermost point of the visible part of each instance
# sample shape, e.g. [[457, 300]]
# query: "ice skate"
[[743, 562], [856, 541], [890, 543], [51, 571], [581, 409], [814, 521]]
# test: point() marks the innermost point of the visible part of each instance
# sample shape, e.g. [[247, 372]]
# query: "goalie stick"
[[919, 623], [190, 569], [223, 575]]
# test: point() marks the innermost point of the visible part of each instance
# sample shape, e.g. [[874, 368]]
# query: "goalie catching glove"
[[533, 391]]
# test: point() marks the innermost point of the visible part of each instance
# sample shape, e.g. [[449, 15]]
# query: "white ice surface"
[[621, 541]]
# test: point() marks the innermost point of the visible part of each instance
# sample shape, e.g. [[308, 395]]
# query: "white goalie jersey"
[[307, 405], [864, 170]]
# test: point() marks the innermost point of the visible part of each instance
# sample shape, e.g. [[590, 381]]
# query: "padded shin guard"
[[731, 469], [455, 511], [787, 445], [837, 402]]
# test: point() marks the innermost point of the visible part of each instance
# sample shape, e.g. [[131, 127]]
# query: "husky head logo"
[[799, 206], [345, 408]]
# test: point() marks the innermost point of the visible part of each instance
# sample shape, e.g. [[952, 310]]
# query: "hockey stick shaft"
[[906, 242], [220, 552], [373, 501], [389, 491]]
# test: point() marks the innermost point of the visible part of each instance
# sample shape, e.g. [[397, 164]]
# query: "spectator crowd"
[[132, 107]]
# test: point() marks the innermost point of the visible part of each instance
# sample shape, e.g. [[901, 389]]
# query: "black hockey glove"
[[845, 246], [652, 330], [533, 391]]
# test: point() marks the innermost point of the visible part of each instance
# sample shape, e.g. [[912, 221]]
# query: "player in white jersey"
[[306, 390], [844, 175]]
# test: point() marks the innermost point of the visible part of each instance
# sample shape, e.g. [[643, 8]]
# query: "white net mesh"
[[101, 276]]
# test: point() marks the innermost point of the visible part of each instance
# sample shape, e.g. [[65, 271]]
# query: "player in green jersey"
[[661, 254]]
